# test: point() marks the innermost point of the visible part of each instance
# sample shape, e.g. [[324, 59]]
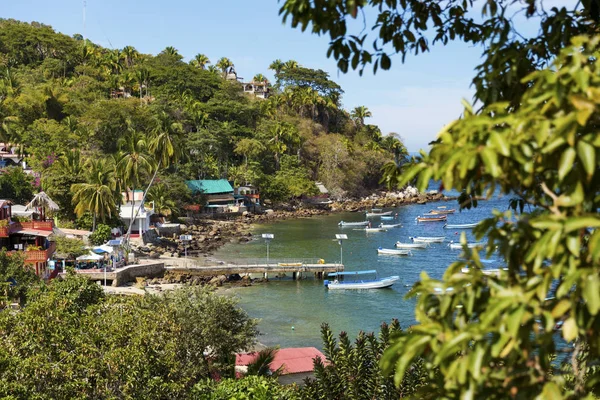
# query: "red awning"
[[293, 360]]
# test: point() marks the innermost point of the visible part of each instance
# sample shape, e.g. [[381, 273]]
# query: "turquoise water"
[[291, 312]]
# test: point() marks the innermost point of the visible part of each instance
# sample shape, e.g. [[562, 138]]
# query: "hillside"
[[109, 119]]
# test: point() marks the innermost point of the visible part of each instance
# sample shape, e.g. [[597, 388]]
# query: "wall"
[[130, 272]]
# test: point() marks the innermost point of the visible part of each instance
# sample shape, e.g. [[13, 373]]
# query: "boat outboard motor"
[[326, 283]]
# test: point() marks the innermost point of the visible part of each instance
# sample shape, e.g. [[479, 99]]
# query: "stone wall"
[[130, 272]]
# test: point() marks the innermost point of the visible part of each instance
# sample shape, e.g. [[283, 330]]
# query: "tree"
[[71, 248], [277, 66], [200, 61], [20, 278], [225, 65], [100, 235], [359, 114], [352, 371], [247, 388], [162, 199], [16, 185], [259, 78], [97, 194], [290, 64]]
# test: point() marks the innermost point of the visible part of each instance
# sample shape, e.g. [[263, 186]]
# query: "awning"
[[34, 232], [102, 249], [89, 257]]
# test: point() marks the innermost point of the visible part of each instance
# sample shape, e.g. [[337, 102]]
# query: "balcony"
[[39, 225], [31, 257]]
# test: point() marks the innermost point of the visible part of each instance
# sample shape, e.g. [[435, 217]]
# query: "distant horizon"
[[415, 99]]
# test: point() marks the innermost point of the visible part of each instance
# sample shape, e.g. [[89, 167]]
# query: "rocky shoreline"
[[209, 235]]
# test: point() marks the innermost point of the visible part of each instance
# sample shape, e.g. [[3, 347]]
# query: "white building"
[[142, 221]]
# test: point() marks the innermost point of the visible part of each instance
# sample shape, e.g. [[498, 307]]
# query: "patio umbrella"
[[90, 257], [43, 202]]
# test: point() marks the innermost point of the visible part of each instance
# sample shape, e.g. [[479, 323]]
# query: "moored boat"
[[361, 223], [377, 283], [428, 239], [387, 218], [439, 218], [401, 245], [375, 229], [389, 226], [379, 214], [460, 226], [443, 211], [395, 252], [458, 246]]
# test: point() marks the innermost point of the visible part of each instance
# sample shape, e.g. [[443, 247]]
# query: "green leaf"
[[587, 155], [566, 162], [577, 223], [569, 329], [498, 141], [551, 391], [591, 293], [490, 159]]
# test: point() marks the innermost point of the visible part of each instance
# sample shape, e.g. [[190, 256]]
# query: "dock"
[[299, 268]]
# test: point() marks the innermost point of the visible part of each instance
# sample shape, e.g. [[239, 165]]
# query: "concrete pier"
[[297, 270]]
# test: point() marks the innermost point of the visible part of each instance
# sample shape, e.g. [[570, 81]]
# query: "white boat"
[[488, 272], [401, 245], [428, 239], [378, 214], [458, 246], [377, 283], [361, 223], [460, 226], [375, 210], [395, 252], [375, 230], [387, 218], [389, 226]]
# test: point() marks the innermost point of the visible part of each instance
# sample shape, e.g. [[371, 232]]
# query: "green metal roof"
[[210, 186]]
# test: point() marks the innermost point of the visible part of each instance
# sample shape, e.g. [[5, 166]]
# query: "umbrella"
[[43, 201], [102, 249]]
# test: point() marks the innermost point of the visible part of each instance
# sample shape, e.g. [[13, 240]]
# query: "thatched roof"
[[42, 200]]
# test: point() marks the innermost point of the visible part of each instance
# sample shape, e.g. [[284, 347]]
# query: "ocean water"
[[291, 312]]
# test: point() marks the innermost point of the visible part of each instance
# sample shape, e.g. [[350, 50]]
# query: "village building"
[[145, 212], [296, 363], [30, 238], [217, 193], [258, 89]]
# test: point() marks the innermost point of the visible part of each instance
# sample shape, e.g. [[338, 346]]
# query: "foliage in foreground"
[[71, 341], [248, 388], [353, 371]]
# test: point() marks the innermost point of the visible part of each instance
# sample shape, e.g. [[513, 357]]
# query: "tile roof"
[[294, 360], [210, 186]]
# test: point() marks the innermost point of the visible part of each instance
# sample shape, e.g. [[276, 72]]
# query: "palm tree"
[[142, 77], [281, 133], [200, 61], [259, 78], [163, 203], [134, 164], [70, 163], [277, 66], [130, 54], [170, 51], [249, 148], [358, 114], [291, 64], [261, 365], [225, 65], [96, 196], [392, 170], [214, 69]]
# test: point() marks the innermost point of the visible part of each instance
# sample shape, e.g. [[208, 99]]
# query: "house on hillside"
[[296, 363], [30, 238], [142, 222], [258, 89], [218, 193]]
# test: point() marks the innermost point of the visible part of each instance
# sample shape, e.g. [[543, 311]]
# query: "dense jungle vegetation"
[[92, 122]]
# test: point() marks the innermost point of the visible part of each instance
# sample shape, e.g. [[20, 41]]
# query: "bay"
[[291, 312]]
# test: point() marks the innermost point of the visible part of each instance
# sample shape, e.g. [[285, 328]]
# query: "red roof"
[[294, 360]]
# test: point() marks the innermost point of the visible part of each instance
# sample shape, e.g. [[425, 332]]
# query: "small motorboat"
[[428, 239], [459, 246], [375, 230], [443, 211], [437, 218], [377, 283], [488, 272], [361, 223], [387, 218], [401, 245], [389, 226], [395, 252], [460, 226], [379, 214]]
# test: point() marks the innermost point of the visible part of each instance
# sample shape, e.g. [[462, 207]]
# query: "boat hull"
[[361, 223], [384, 226], [442, 212], [394, 252], [379, 214], [375, 284], [375, 229], [458, 246], [439, 239], [442, 218], [460, 226], [401, 245]]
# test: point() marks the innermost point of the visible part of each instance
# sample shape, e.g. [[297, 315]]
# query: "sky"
[[415, 99]]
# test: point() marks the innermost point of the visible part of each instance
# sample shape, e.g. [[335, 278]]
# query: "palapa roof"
[[42, 200]]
